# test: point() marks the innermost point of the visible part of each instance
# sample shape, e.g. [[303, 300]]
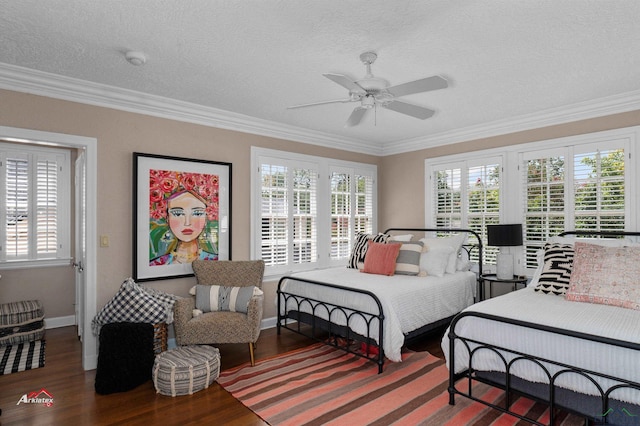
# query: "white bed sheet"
[[408, 302], [536, 307]]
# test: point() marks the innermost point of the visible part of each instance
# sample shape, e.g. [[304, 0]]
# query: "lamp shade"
[[504, 235]]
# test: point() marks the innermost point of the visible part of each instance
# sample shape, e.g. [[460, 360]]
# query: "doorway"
[[87, 286]]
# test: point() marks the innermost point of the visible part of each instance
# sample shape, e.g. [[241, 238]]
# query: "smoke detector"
[[135, 58]]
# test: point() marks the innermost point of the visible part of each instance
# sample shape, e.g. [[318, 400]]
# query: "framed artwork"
[[182, 212]]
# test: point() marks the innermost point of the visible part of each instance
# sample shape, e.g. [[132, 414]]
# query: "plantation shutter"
[[274, 209], [288, 213], [544, 179], [574, 188], [341, 224], [448, 206], [17, 207], [305, 228], [306, 209], [352, 209], [363, 213], [467, 196], [46, 207], [483, 202], [35, 194], [599, 188]]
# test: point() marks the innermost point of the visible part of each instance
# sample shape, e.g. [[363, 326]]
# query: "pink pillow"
[[605, 275], [381, 258]]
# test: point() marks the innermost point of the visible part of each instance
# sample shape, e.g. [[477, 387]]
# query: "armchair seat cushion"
[[218, 327]]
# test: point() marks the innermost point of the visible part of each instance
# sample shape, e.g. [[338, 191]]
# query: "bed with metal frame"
[[601, 407], [319, 320]]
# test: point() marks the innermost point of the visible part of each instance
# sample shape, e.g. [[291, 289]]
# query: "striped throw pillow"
[[556, 272], [408, 261], [213, 298]]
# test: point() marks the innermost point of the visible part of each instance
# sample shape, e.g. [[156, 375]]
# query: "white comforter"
[[408, 302], [528, 305]]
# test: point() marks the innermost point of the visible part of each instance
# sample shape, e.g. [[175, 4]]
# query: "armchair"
[[219, 326]]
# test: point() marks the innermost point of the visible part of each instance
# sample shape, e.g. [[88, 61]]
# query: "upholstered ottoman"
[[21, 322], [186, 369]]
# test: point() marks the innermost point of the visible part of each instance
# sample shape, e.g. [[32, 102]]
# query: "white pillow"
[[607, 242], [454, 242], [434, 262], [402, 238], [462, 262], [538, 271]]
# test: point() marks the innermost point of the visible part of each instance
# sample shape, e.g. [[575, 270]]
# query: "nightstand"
[[492, 278]]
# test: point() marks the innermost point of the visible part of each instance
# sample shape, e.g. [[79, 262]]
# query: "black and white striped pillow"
[[556, 272], [359, 251]]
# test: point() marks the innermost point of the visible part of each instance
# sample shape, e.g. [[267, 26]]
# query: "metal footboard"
[[331, 323], [602, 408]]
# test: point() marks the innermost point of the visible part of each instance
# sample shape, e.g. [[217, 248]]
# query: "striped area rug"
[[320, 385], [21, 357]]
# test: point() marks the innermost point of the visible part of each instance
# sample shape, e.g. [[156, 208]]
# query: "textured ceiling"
[[504, 59]]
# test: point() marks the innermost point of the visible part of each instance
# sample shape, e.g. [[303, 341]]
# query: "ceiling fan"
[[373, 91]]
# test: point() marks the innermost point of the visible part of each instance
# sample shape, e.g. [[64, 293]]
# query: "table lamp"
[[508, 235]]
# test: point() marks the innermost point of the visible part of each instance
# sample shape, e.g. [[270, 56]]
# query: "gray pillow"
[[213, 298]]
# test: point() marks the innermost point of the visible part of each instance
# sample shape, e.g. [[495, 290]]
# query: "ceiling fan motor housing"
[[373, 85]]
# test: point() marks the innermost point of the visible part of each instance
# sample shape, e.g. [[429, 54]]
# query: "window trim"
[[325, 166], [63, 254]]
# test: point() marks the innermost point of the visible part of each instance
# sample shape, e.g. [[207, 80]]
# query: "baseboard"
[[71, 320], [58, 322], [268, 323]]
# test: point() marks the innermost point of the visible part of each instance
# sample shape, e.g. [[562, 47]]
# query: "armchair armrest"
[[254, 312], [182, 312]]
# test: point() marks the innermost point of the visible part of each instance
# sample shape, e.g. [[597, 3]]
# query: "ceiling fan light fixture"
[[368, 102]]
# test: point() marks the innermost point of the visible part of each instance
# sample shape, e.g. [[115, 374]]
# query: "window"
[[582, 182], [288, 213], [351, 209], [35, 189], [573, 188], [310, 209], [545, 201], [467, 195]]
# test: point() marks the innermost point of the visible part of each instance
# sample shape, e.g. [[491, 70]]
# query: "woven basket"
[[159, 337]]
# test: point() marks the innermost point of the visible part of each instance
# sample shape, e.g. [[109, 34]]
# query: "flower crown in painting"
[[163, 184]]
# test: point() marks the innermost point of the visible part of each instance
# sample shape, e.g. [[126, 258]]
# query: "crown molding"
[[41, 83], [601, 107]]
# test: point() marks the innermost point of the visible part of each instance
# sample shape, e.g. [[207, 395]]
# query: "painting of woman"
[[183, 223]]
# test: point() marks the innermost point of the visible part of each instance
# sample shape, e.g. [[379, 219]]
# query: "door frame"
[[90, 146]]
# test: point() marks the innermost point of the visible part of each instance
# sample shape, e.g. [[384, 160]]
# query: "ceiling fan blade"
[[346, 82], [355, 117], [413, 110], [423, 85], [320, 103]]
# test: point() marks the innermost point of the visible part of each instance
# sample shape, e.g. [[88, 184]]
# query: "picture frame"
[[181, 212]]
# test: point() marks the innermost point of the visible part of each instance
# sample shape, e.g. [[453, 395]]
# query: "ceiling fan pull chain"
[[375, 115]]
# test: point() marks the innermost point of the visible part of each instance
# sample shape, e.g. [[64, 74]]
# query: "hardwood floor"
[[76, 403]]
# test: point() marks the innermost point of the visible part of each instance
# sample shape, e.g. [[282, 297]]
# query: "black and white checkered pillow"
[[135, 303], [556, 272], [359, 251]]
